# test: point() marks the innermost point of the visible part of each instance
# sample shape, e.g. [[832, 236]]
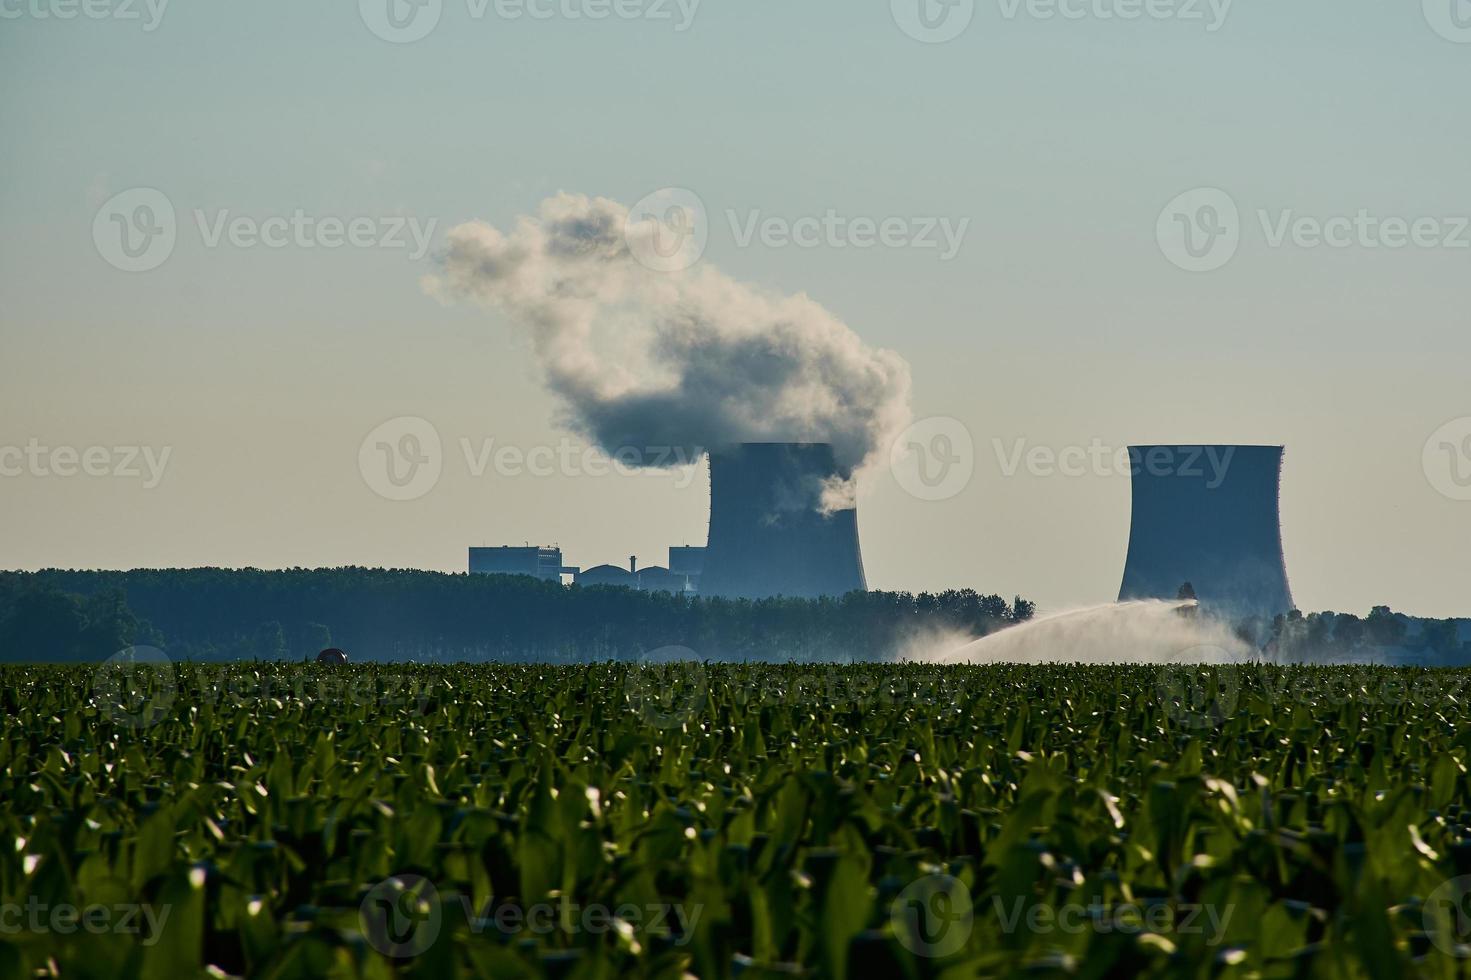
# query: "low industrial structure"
[[682, 575], [538, 562]]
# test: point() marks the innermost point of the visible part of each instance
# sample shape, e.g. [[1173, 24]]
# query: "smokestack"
[[769, 532], [633, 564], [1210, 516]]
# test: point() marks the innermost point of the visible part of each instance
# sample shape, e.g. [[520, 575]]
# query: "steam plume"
[[646, 360]]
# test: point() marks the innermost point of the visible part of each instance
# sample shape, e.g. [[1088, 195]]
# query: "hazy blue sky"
[[1062, 320]]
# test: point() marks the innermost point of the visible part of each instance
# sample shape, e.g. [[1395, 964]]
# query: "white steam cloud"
[[648, 361]]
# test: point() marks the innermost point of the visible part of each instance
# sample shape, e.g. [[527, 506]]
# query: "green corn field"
[[717, 820]]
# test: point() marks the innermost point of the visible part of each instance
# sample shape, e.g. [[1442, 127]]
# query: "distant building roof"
[[656, 579], [607, 575]]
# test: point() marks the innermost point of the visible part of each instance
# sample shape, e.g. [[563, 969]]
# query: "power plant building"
[[608, 575], [650, 579], [542, 563], [687, 563], [1209, 516]]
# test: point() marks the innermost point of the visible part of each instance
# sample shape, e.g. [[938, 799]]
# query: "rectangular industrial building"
[[542, 563]]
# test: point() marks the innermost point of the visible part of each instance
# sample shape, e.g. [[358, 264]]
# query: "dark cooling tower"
[[768, 536], [1208, 515]]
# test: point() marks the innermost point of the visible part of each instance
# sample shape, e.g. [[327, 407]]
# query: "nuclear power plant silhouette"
[[768, 532], [1208, 516]]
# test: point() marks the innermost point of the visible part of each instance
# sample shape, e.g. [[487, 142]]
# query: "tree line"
[[1331, 635], [404, 615]]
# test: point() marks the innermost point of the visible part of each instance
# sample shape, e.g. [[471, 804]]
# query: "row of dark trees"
[[1330, 634], [234, 614], [378, 614], [41, 621]]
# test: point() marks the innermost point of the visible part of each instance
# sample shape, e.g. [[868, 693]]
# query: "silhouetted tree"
[[1385, 629], [1348, 632]]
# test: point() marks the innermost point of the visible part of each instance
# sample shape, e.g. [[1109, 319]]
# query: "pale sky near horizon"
[[1061, 321]]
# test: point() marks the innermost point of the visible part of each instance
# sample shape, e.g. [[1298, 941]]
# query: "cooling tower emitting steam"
[[767, 536], [686, 360]]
